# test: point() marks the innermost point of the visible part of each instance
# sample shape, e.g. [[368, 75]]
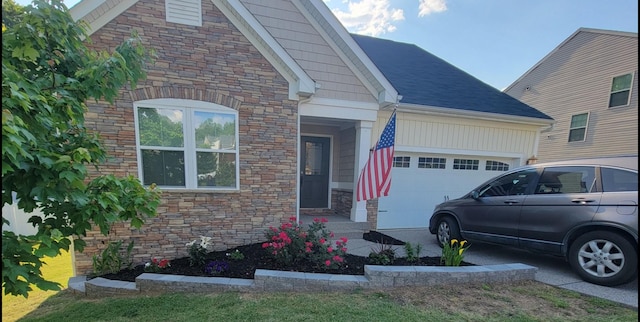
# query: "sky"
[[496, 41]]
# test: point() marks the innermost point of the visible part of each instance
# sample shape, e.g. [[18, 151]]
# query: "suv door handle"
[[582, 201], [511, 201]]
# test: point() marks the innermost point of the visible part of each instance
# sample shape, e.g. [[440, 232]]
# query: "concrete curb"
[[375, 277]]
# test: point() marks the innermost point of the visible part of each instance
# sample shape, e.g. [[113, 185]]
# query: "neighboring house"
[[256, 111], [589, 85]]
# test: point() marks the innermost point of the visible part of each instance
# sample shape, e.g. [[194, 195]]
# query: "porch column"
[[363, 144]]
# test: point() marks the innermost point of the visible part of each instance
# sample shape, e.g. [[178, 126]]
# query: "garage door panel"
[[416, 191]]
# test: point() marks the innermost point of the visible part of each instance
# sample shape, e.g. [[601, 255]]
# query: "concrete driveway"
[[551, 270]]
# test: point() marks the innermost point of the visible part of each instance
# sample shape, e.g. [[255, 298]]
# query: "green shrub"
[[452, 253], [198, 251], [382, 255], [113, 258], [412, 253], [290, 244]]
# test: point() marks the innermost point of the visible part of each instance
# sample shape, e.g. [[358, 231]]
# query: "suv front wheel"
[[604, 258], [447, 230]]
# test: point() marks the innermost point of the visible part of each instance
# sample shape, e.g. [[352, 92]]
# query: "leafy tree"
[[10, 13], [48, 74]]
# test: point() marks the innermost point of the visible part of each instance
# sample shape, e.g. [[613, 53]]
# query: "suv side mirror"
[[475, 195]]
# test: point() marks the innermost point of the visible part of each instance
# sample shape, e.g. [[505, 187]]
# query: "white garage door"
[[421, 181]]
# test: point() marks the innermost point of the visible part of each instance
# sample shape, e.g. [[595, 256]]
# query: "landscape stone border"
[[375, 277]]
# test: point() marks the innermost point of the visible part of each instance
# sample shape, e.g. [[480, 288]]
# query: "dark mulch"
[[380, 238], [255, 257]]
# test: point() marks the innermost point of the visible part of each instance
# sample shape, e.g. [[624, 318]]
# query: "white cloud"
[[369, 17], [427, 7]]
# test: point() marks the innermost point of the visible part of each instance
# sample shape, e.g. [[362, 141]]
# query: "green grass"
[[230, 306], [524, 301]]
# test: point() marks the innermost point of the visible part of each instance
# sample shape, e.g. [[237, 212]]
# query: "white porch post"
[[363, 144]]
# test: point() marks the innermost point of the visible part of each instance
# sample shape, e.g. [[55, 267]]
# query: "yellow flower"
[[460, 251], [453, 241], [462, 243]]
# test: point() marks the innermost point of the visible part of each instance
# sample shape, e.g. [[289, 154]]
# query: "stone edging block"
[[274, 281]]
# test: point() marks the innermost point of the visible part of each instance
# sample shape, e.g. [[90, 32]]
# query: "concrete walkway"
[[551, 270]]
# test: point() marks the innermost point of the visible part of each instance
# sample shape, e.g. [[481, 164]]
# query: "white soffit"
[[111, 10]]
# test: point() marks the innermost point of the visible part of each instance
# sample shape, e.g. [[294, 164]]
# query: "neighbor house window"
[[401, 162], [620, 90], [187, 144], [496, 166], [465, 164], [432, 163], [578, 128]]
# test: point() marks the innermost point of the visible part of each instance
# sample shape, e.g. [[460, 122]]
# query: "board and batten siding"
[[576, 78], [308, 48], [459, 135]]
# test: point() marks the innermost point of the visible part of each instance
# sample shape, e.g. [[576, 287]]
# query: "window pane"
[[164, 168], [619, 180], [465, 164], [160, 127], [215, 131], [566, 180], [621, 83], [216, 169], [576, 135], [579, 120], [432, 163], [496, 166], [401, 162], [313, 159], [509, 185], [619, 99]]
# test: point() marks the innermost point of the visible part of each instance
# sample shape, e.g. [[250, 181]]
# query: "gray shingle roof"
[[424, 79]]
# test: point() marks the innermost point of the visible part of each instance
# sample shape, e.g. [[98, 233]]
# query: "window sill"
[[206, 191]]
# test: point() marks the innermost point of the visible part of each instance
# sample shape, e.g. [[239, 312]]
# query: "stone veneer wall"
[[213, 63], [342, 201]]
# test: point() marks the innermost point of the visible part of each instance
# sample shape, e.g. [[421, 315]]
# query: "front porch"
[[341, 226]]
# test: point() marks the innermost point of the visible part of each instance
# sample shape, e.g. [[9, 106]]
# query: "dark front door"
[[314, 174]]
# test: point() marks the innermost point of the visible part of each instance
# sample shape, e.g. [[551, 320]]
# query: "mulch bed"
[[255, 257]]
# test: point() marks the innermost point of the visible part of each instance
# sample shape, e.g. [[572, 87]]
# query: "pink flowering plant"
[[156, 265], [290, 244]]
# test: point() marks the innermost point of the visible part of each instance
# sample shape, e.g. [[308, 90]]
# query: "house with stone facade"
[[257, 111]]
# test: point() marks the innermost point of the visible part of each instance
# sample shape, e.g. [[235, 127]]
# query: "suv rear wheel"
[[447, 230], [604, 258]]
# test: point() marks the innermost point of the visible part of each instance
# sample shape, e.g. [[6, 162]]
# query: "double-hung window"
[[187, 144], [620, 90], [578, 127]]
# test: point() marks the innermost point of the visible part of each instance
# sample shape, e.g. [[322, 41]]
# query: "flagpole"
[[375, 178]]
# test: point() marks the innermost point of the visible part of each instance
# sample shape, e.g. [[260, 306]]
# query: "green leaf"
[[48, 74]]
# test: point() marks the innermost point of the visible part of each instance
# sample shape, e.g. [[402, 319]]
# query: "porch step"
[[341, 226], [348, 229]]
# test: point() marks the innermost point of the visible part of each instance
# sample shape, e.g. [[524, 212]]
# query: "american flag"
[[375, 178]]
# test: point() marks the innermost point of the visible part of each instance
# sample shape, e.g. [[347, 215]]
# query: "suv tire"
[[603, 258], [447, 230]]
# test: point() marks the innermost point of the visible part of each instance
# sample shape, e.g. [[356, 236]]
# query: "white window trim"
[[188, 107], [586, 127], [611, 92]]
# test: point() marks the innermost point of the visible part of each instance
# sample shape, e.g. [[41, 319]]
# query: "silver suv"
[[583, 210]]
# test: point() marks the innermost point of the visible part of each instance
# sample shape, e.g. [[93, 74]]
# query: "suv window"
[[619, 180], [566, 180], [511, 184]]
